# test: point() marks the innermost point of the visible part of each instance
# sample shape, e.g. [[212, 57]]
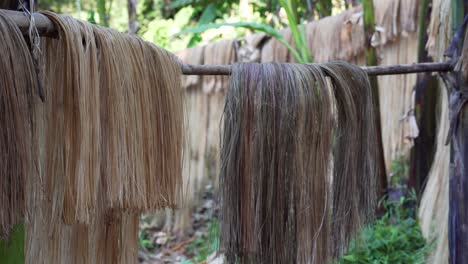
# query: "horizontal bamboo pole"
[[43, 24], [189, 69], [47, 28]]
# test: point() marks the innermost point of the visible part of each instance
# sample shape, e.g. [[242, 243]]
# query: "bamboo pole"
[[46, 28], [189, 69]]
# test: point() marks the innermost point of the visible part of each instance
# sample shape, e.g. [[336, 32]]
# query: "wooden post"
[[371, 60], [458, 210], [458, 184], [132, 16]]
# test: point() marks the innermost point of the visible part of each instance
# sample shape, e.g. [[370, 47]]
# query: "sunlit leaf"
[[253, 26]]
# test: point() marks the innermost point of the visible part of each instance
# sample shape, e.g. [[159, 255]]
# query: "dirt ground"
[[198, 245]]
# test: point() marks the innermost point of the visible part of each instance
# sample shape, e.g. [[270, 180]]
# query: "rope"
[[28, 9]]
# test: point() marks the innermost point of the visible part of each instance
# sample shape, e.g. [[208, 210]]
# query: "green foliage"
[[157, 18], [53, 4], [301, 54], [103, 13], [298, 35], [12, 251], [183, 3], [400, 172], [394, 238], [204, 245], [324, 7], [144, 240], [208, 15], [91, 17], [253, 26], [161, 31]]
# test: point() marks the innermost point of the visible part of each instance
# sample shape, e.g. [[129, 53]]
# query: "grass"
[[144, 240], [394, 238], [205, 244], [12, 250]]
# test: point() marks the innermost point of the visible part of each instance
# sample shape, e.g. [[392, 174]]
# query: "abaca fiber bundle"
[[113, 123], [141, 91], [18, 82], [298, 161], [107, 142]]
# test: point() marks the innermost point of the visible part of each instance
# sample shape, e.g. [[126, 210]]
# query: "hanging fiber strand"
[[142, 109], [434, 205], [18, 82], [298, 169]]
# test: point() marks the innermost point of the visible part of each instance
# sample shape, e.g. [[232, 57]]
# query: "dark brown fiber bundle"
[[18, 82], [298, 170]]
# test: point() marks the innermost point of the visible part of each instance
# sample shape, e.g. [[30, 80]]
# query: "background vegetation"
[[160, 20]]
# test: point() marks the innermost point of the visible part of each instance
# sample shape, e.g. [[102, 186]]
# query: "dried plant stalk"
[[293, 188]]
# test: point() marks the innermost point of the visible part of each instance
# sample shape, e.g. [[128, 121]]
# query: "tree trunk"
[[103, 17], [132, 17], [310, 10]]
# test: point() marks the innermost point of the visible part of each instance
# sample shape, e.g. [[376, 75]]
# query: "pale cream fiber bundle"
[[107, 142], [142, 118]]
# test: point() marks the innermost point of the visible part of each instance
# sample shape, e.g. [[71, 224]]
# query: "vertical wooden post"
[[132, 16], [458, 211], [371, 60], [458, 184], [426, 90]]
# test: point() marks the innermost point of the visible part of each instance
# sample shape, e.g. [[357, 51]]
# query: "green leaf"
[[208, 15], [253, 26], [181, 3], [350, 258], [194, 40], [299, 38]]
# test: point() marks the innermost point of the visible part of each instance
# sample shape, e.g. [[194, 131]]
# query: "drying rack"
[[458, 92]]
